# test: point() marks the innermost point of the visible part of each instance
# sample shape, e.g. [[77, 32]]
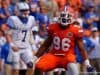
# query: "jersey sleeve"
[[50, 30], [10, 26], [78, 32], [33, 20], [10, 22]]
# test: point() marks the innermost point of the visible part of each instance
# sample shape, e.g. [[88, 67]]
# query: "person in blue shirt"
[[43, 17], [4, 12], [4, 56], [90, 18], [4, 53], [43, 21], [33, 10]]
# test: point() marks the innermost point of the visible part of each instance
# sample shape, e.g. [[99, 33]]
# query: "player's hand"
[[90, 69], [13, 46], [15, 49], [87, 63], [35, 59], [88, 66]]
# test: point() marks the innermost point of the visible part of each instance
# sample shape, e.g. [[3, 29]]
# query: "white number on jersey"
[[63, 44]]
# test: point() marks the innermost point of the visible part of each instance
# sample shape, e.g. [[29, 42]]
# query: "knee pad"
[[30, 65]]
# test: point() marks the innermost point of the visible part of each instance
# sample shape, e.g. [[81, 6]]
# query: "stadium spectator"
[[0, 3], [77, 3], [4, 54], [51, 7], [44, 21], [43, 17], [34, 10], [61, 4], [55, 17], [2, 42], [94, 55], [91, 17], [4, 12]]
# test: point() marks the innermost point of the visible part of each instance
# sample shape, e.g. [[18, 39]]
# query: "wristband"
[[87, 63], [35, 59]]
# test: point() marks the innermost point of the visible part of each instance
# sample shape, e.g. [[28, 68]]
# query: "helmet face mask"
[[65, 18], [24, 10]]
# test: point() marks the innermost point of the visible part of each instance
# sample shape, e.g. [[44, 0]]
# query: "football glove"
[[91, 69]]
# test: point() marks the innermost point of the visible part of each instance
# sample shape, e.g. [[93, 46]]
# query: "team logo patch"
[[69, 34]]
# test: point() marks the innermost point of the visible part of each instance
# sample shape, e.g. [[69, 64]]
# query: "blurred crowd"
[[87, 15]]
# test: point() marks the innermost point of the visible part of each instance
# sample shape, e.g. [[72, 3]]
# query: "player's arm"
[[81, 48], [79, 41], [83, 52], [80, 44], [8, 35], [45, 46], [85, 56]]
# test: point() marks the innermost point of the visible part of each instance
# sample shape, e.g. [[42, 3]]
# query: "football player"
[[19, 36], [62, 37]]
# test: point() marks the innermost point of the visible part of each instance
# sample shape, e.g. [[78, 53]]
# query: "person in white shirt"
[[2, 42]]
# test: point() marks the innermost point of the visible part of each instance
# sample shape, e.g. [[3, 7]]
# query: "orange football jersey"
[[64, 39]]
